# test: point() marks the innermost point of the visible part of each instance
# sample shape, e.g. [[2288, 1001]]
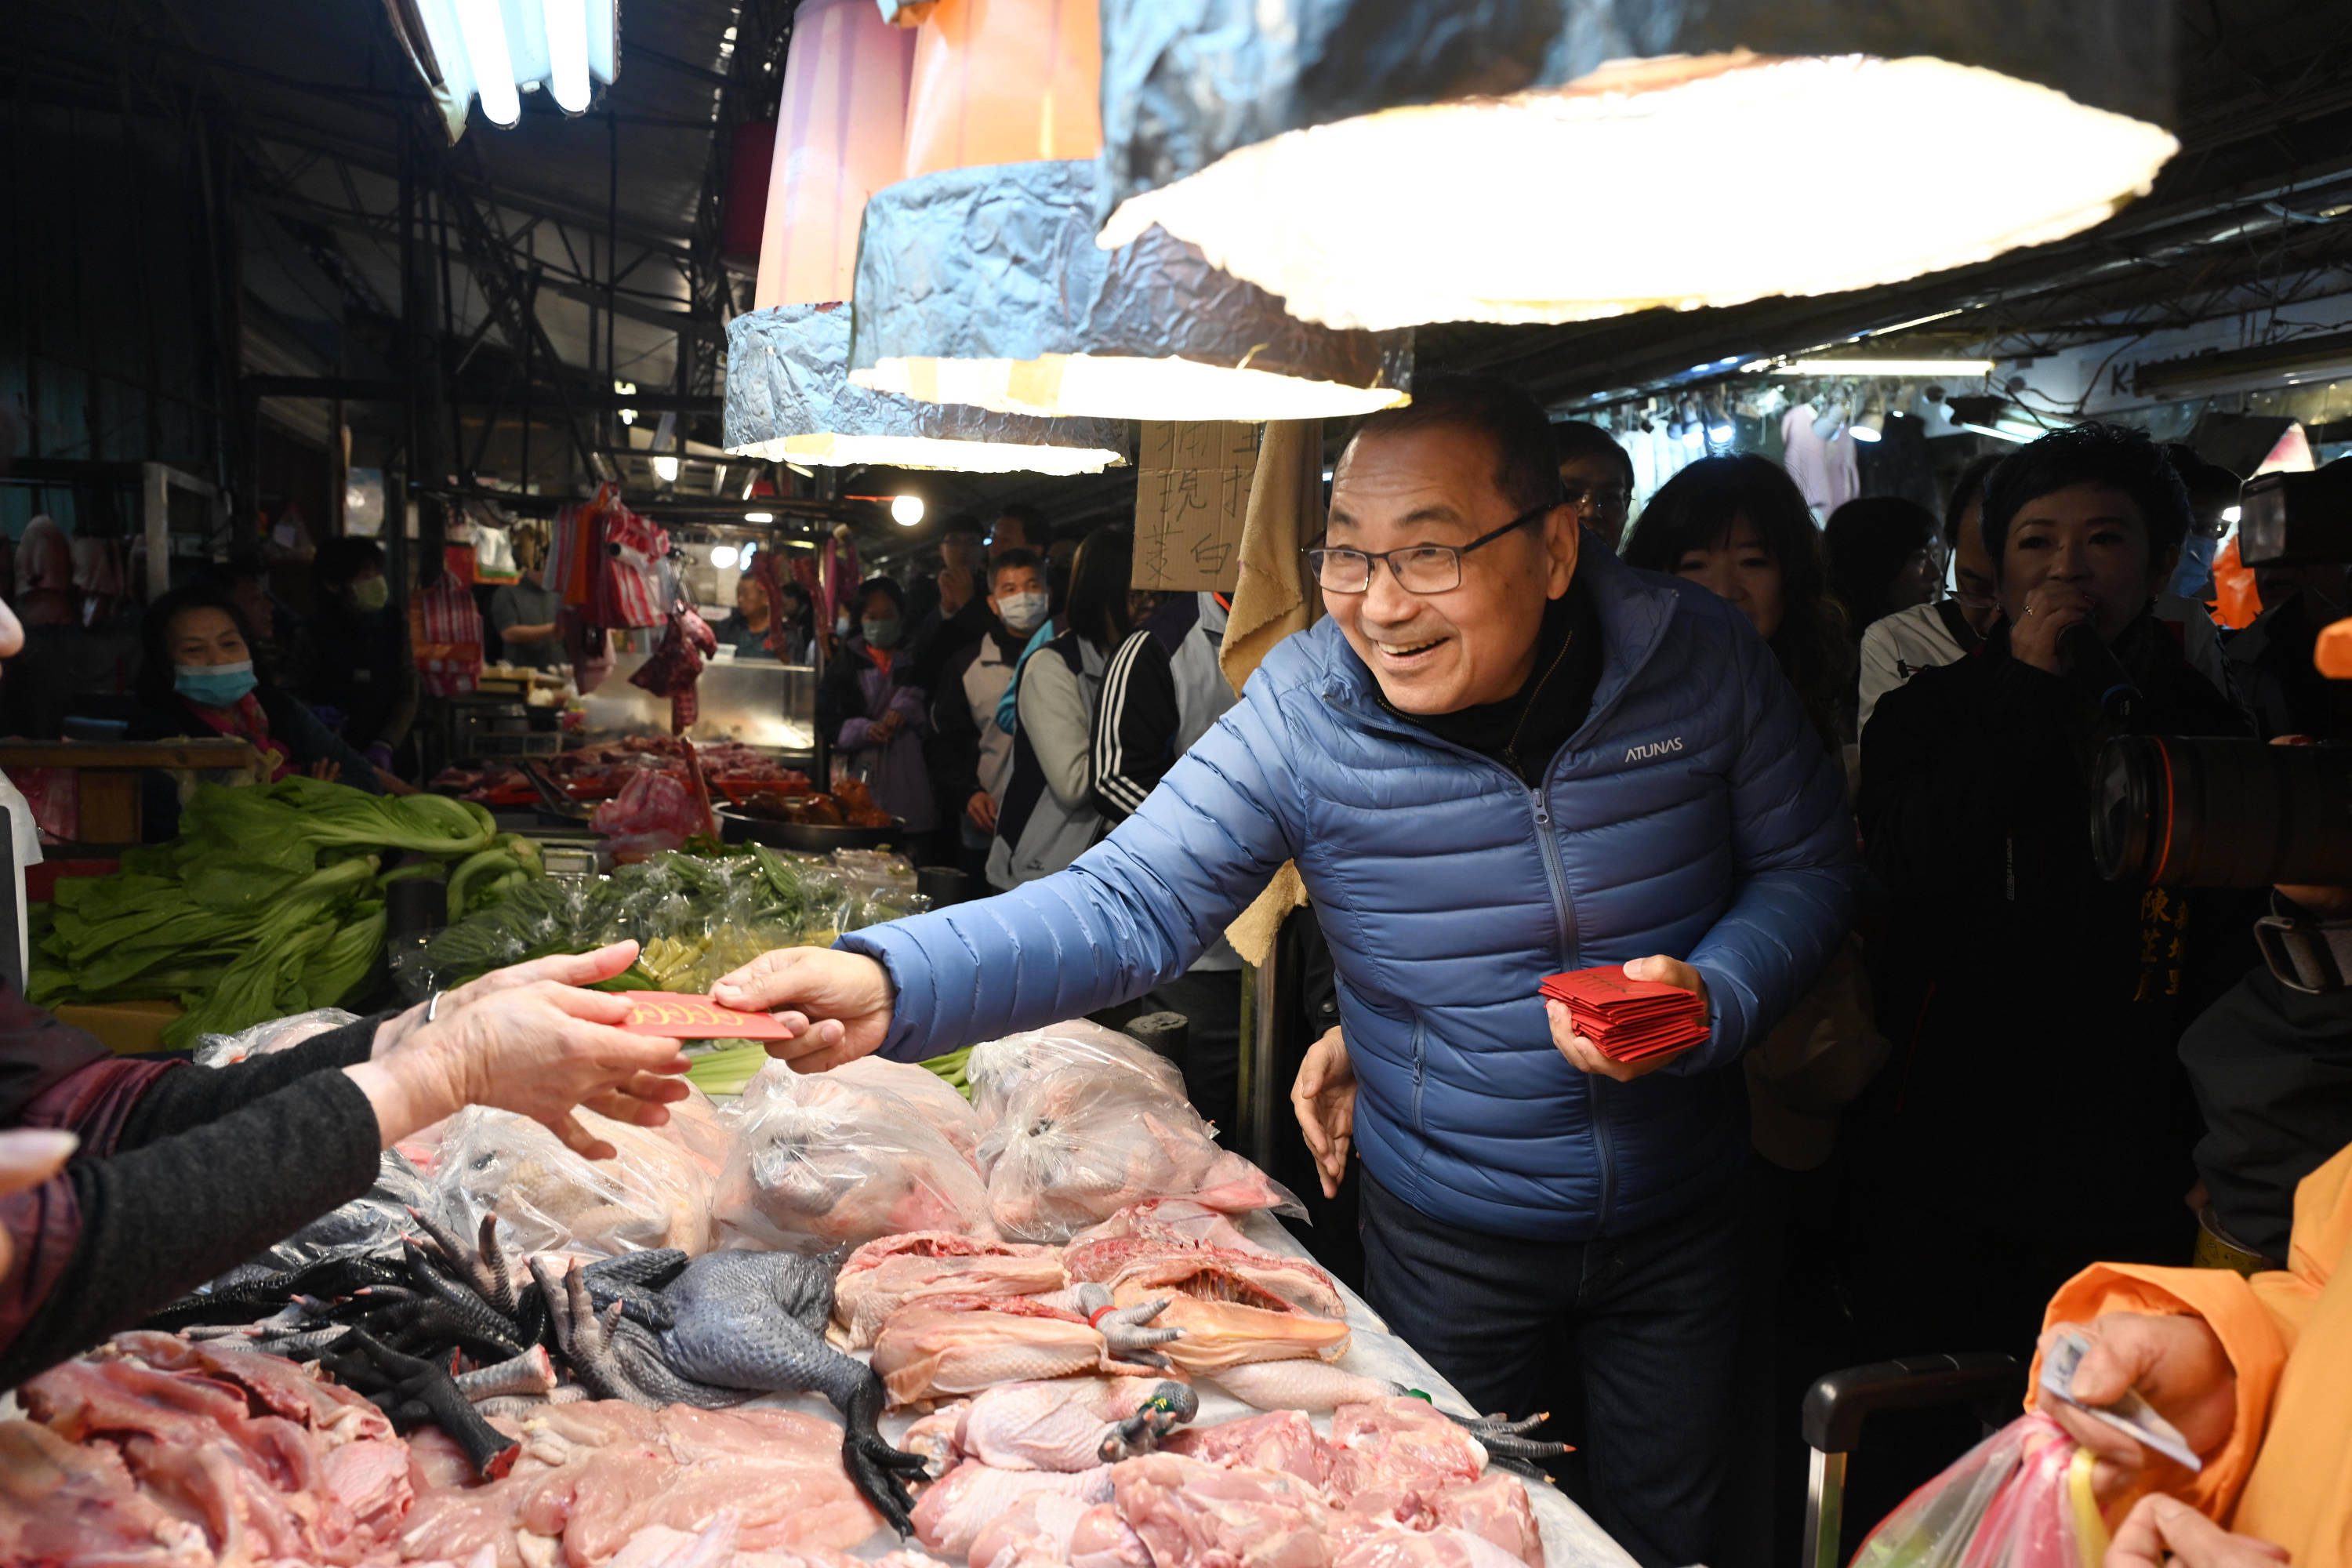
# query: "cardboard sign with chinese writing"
[[1192, 493]]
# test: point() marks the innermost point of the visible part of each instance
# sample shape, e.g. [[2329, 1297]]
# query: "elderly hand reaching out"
[[526, 1039]]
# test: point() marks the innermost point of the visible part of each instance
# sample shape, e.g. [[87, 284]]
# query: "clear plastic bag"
[[819, 1162], [373, 1222], [267, 1039], [655, 1192], [2021, 1499], [1078, 1144], [933, 1098], [1000, 1069]]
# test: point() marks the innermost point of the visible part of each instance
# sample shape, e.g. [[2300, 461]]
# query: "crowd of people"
[[1954, 1086], [1776, 765]]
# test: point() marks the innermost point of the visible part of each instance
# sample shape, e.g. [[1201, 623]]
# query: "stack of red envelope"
[[1629, 1020]]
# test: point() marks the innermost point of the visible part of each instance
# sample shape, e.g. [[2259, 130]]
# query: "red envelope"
[[681, 1017], [1626, 1019]]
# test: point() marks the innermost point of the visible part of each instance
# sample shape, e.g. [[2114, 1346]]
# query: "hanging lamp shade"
[[1380, 163], [978, 281], [840, 136]]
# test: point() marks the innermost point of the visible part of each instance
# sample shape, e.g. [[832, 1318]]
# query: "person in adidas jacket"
[[1530, 759], [1162, 692]]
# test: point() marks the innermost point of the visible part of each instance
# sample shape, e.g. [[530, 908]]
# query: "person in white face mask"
[[970, 756]]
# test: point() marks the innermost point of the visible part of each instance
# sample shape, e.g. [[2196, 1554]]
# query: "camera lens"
[[2175, 812]]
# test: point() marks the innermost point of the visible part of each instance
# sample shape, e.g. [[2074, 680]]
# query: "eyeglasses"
[[1597, 497], [1419, 568]]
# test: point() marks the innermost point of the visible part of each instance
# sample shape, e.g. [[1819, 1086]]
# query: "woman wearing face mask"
[[197, 677], [362, 675], [877, 716], [970, 756]]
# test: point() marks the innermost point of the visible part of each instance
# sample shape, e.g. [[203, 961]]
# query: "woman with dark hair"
[[1048, 816], [1935, 632], [1740, 528], [875, 714], [196, 677], [1883, 555]]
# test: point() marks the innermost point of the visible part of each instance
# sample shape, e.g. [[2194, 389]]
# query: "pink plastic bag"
[[2021, 1499]]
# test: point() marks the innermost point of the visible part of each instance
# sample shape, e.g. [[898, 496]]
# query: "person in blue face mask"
[[875, 714], [197, 677]]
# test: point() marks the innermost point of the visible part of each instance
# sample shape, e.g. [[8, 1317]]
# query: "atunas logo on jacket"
[[1654, 748]]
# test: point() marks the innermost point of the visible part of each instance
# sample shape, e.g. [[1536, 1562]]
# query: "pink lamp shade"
[[1004, 81], [840, 137]]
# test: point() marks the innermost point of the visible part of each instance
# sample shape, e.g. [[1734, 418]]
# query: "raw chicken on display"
[[1000, 1069], [961, 1504], [927, 1091], [1077, 1145], [885, 1275], [655, 1194], [1067, 1424], [942, 1347], [819, 1162]]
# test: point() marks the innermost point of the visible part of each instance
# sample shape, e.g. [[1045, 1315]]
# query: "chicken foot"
[[1127, 1331]]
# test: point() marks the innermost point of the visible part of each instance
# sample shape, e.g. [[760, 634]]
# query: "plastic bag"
[[655, 1192], [1077, 1145], [819, 1162], [267, 1039], [999, 1070], [2021, 1499], [932, 1097]]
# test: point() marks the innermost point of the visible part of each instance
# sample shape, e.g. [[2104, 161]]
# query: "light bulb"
[[1862, 433], [567, 53], [906, 510], [2232, 513], [1721, 434], [756, 517], [486, 49], [722, 556], [665, 469], [749, 552]]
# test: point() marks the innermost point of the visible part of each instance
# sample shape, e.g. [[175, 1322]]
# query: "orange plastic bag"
[[2236, 601]]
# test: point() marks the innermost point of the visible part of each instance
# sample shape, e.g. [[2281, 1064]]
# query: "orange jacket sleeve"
[[2259, 1320]]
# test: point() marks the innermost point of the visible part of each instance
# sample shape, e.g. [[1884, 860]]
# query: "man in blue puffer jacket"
[[1503, 754]]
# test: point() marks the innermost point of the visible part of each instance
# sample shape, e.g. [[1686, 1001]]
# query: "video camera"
[[2174, 811]]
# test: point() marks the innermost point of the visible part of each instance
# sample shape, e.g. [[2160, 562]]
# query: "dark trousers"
[[1629, 1341], [1212, 1005]]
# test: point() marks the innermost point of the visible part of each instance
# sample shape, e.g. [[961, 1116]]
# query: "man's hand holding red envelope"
[[1622, 1022]]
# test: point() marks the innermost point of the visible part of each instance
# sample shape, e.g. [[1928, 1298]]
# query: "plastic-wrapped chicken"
[[1077, 1145], [655, 1192], [931, 1096], [1000, 1069], [267, 1039], [819, 1162]]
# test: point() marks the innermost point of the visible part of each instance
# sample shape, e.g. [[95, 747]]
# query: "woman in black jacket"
[[2033, 1117]]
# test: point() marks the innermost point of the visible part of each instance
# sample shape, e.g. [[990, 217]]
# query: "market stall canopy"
[[841, 133], [979, 281], [1381, 165]]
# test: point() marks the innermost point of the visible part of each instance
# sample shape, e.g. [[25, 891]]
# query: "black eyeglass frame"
[[1314, 555]]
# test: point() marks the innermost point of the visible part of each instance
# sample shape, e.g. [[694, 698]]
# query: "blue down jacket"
[[1695, 812]]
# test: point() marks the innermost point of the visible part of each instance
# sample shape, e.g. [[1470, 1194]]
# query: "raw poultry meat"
[[1195, 1515], [78, 1502], [1281, 1440], [944, 1346], [237, 1447], [999, 1070], [655, 1194], [1065, 1425], [933, 1099], [1440, 1548], [1077, 1145], [886, 1274], [1178, 1220], [960, 1504], [1223, 1320], [1399, 1443], [1255, 1277], [592, 1476], [819, 1162], [715, 1546]]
